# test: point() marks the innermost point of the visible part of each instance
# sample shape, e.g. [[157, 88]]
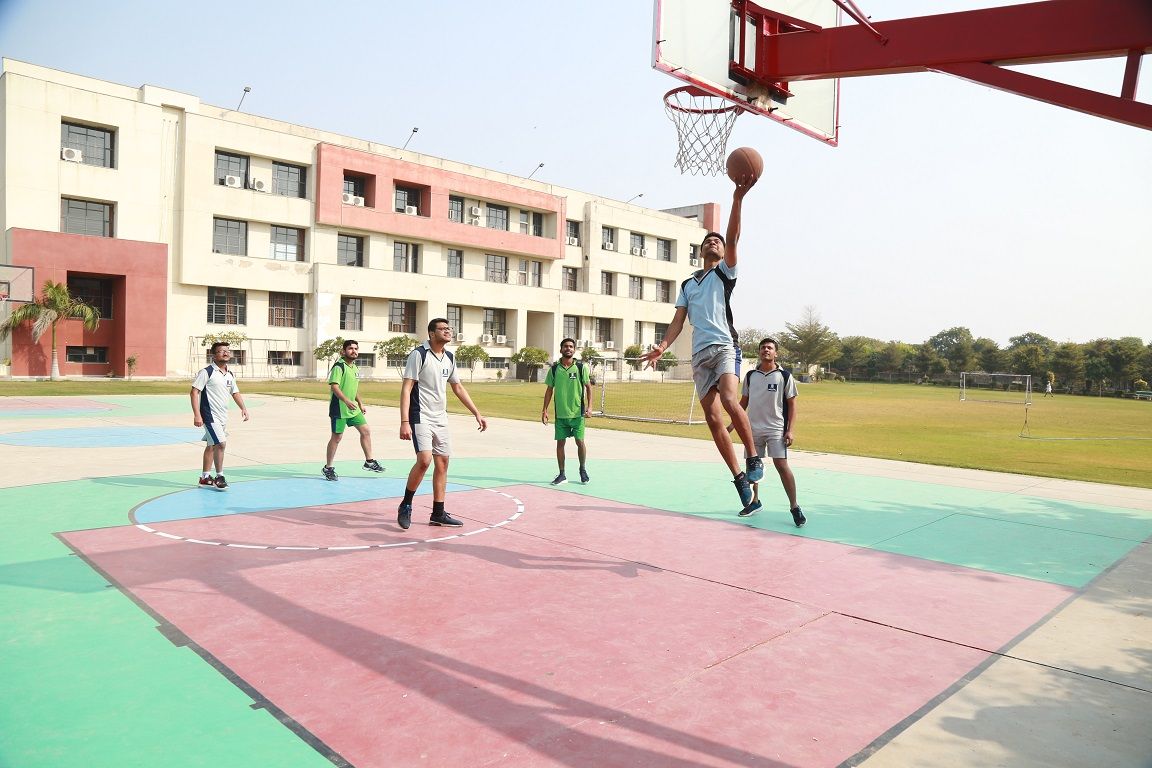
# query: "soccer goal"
[[1011, 388], [664, 396]]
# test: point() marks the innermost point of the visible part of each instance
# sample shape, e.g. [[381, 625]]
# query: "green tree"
[[749, 340], [1031, 337], [810, 341], [928, 360], [395, 348], [955, 345], [632, 355], [989, 357], [53, 306], [468, 355], [534, 357], [667, 362], [1097, 369], [895, 356], [329, 350], [855, 352], [1030, 359], [1124, 355], [1068, 365]]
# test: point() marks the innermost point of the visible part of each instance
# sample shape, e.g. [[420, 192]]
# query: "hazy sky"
[[946, 203]]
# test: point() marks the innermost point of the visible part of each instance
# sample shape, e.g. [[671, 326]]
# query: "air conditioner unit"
[[485, 338], [636, 251], [234, 181], [353, 200], [581, 343], [257, 184], [501, 339], [609, 344], [474, 211], [411, 210], [694, 261], [71, 155], [643, 251], [474, 221], [573, 241], [609, 246]]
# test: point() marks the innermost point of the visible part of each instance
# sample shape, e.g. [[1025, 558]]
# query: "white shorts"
[[215, 432], [712, 362], [770, 446], [431, 437]]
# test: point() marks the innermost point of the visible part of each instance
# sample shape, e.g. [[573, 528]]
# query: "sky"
[[946, 204]]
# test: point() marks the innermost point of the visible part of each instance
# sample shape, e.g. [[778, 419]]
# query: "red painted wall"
[[139, 272]]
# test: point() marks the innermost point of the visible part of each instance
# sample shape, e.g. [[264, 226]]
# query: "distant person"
[[1048, 389], [210, 392], [428, 372], [570, 380], [705, 301], [346, 410], [769, 396]]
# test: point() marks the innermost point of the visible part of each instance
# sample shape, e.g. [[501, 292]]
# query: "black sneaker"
[[445, 519], [752, 508], [560, 479], [329, 473], [404, 515], [744, 488], [206, 482], [373, 466], [798, 517], [221, 483], [755, 467], [583, 475]]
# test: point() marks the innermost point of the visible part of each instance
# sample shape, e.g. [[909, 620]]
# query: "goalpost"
[[663, 396], [1011, 388]]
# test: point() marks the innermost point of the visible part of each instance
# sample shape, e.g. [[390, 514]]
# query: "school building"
[[179, 220]]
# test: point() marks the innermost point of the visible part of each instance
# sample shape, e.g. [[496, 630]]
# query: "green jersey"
[[568, 388], [347, 378]]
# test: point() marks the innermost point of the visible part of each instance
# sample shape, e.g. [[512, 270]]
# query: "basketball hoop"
[[703, 123]]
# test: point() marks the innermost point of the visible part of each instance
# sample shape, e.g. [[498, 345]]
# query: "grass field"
[[1104, 440]]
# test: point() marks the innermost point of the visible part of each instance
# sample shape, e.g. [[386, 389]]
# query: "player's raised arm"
[[733, 235]]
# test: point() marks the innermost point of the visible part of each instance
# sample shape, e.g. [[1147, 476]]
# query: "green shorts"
[[566, 428], [339, 425]]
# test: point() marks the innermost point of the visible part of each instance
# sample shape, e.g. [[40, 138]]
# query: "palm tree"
[[54, 305]]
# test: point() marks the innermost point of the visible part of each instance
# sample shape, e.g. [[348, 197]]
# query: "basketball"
[[744, 162]]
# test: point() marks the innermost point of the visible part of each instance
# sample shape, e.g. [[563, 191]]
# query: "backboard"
[[698, 41], [17, 283]]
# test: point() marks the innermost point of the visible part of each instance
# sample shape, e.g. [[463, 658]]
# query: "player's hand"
[[588, 413], [787, 438], [482, 422], [197, 421], [244, 413], [405, 431], [651, 356], [543, 417]]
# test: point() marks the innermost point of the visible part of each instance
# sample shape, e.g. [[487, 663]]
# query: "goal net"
[[1011, 388], [666, 396]]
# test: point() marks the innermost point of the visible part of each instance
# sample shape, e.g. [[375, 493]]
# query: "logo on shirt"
[[572, 375], [773, 387], [445, 372]]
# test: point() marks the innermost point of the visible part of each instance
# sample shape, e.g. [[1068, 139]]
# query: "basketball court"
[[924, 616]]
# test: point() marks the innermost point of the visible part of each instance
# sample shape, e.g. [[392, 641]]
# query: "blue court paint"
[[267, 495], [103, 437]]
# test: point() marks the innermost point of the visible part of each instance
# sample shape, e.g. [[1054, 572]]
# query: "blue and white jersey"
[[768, 393], [707, 295], [216, 389], [428, 403]]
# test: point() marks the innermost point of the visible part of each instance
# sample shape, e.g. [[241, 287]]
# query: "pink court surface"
[[925, 616]]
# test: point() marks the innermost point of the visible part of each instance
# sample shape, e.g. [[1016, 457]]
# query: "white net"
[[703, 123], [665, 395], [1011, 388]]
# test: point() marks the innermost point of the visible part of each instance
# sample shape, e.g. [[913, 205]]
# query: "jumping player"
[[572, 383], [210, 391]]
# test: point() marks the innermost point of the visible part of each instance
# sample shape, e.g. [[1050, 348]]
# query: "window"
[[608, 238], [455, 263], [366, 360], [351, 313], [228, 164], [289, 180], [228, 306], [287, 244], [93, 291], [455, 317], [635, 287], [534, 279], [571, 278], [283, 358], [456, 209], [607, 283], [354, 185], [661, 331], [85, 217], [663, 250], [405, 197], [497, 217], [496, 362], [638, 332], [531, 223], [522, 273], [603, 329], [87, 354], [571, 327], [694, 255], [402, 316], [405, 257], [286, 310], [664, 291], [350, 250], [95, 144], [230, 236], [496, 268], [494, 322], [637, 244], [572, 229], [529, 273]]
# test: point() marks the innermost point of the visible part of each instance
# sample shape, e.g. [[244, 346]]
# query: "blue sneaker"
[[755, 467], [744, 488], [404, 515], [752, 508]]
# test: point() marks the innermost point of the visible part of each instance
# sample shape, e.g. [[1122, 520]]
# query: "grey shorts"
[[431, 437], [215, 432], [770, 446], [712, 362]]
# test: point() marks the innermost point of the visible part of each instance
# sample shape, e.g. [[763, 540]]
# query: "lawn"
[[1106, 440]]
